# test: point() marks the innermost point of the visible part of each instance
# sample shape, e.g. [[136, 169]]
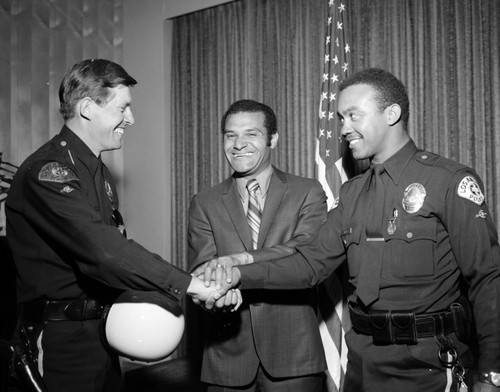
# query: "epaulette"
[[429, 159]]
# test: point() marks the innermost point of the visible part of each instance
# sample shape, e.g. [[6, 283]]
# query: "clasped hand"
[[218, 273]]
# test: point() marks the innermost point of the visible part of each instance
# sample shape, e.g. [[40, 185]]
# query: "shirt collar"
[[263, 178], [395, 165], [79, 150]]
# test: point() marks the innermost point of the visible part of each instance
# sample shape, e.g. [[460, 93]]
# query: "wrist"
[[249, 258], [236, 277]]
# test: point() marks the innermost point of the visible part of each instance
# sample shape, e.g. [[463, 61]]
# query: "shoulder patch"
[[56, 172], [470, 190]]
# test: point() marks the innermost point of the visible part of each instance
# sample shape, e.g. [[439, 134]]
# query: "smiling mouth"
[[119, 131], [353, 142], [242, 155]]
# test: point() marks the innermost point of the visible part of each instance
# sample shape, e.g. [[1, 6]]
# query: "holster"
[[395, 327], [462, 319], [21, 352], [25, 371]]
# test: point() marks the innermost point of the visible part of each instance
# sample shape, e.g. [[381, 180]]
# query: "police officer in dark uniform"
[[417, 235], [68, 239]]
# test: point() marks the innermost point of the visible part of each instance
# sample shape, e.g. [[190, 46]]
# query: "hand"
[[229, 302], [206, 295], [484, 387], [217, 269]]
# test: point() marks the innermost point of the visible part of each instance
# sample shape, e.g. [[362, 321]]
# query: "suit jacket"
[[279, 329]]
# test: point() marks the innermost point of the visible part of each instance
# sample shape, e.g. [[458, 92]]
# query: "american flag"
[[333, 315]]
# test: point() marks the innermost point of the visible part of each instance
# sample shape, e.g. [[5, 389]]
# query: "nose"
[[129, 117], [345, 130], [239, 143]]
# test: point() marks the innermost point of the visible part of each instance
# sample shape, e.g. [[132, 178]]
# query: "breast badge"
[[56, 172], [469, 189], [413, 198]]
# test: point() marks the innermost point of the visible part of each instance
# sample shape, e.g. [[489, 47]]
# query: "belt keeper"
[[405, 328]]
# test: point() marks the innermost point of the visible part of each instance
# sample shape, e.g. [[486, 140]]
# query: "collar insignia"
[[109, 191]]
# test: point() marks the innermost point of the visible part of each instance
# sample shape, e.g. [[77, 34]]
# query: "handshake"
[[219, 278]]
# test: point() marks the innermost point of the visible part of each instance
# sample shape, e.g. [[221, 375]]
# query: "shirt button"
[[409, 235], [63, 143], [425, 156]]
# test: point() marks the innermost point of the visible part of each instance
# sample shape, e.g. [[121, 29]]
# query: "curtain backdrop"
[[446, 52]]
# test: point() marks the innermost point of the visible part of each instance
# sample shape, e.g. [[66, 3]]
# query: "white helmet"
[[144, 326]]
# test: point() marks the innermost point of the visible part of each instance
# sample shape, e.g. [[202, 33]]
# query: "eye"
[[354, 117], [341, 119]]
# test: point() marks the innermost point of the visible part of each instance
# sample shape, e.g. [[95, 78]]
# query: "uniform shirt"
[[63, 238], [436, 228]]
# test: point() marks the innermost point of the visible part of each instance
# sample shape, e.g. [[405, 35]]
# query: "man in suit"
[[272, 343]]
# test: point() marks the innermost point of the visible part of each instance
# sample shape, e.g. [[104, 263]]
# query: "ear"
[[392, 114], [84, 108], [274, 141]]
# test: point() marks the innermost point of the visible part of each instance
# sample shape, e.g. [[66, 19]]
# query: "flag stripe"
[[333, 314]]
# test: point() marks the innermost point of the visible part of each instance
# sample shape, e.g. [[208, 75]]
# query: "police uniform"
[[435, 231], [68, 247]]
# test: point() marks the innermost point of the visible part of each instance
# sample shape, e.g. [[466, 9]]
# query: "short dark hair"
[[389, 89], [250, 106], [90, 78]]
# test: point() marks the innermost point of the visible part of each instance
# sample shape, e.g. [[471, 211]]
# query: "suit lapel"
[[275, 194], [232, 202]]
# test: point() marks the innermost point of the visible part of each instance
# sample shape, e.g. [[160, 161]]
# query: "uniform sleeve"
[[474, 242], [59, 210], [311, 264], [312, 213]]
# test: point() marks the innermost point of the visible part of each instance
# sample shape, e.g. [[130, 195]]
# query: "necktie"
[[370, 270], [254, 213]]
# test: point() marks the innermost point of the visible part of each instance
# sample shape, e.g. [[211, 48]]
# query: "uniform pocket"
[[413, 246]]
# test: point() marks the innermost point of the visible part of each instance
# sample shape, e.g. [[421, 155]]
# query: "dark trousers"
[[72, 358], [398, 367]]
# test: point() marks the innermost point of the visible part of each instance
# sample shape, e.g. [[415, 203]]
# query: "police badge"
[[413, 197]]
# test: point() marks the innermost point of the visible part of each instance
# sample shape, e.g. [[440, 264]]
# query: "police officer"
[[67, 236], [417, 234]]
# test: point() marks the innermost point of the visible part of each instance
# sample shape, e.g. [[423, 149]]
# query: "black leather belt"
[[75, 310], [400, 327]]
